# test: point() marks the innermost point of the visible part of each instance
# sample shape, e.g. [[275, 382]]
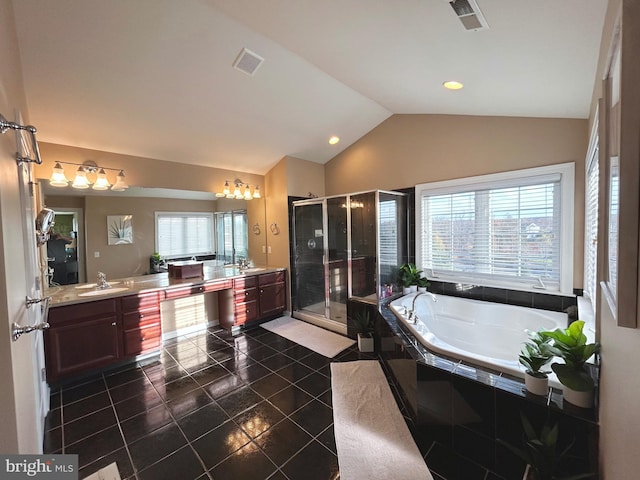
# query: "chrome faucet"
[[412, 314], [102, 281]]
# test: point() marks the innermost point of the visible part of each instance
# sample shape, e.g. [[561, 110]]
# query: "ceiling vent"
[[248, 61], [469, 14]]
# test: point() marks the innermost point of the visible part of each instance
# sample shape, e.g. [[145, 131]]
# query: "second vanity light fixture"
[[241, 190], [81, 181]]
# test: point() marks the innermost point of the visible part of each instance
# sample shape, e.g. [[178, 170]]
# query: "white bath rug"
[[372, 439], [110, 472], [314, 338]]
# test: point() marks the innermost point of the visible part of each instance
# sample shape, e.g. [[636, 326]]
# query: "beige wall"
[[620, 383], [18, 396], [406, 150]]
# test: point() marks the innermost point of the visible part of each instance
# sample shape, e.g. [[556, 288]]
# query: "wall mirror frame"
[[622, 166]]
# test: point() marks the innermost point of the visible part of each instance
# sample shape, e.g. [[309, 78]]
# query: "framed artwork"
[[120, 229]]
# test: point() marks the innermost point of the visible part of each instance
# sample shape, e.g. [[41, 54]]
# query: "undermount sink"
[[93, 285], [105, 291], [252, 270]]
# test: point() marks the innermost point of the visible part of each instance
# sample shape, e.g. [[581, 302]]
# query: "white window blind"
[[591, 228], [180, 234], [499, 230]]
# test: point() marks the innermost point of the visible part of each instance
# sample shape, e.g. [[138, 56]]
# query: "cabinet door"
[[81, 346], [272, 299], [245, 312]]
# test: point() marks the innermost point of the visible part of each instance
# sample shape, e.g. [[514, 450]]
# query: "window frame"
[[208, 215], [498, 180]]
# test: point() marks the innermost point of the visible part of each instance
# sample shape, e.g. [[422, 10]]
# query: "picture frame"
[[119, 229]]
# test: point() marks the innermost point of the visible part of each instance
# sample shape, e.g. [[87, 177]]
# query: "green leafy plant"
[[535, 354], [408, 274], [156, 258], [363, 323], [540, 451], [423, 282], [571, 345]]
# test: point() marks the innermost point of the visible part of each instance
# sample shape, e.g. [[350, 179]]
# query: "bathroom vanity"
[[91, 329]]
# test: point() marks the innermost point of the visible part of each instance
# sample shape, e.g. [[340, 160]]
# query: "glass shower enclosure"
[[347, 246]]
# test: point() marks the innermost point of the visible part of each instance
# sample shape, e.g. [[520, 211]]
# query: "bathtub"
[[482, 333]]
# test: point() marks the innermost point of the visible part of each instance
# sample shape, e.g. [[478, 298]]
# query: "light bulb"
[[81, 180], [58, 178], [101, 182]]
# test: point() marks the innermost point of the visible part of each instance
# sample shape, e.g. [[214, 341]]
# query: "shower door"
[[310, 268], [321, 258]]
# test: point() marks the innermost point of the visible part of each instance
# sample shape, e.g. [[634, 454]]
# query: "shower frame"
[[329, 310]]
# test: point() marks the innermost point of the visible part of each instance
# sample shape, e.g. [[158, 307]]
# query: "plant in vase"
[[539, 451], [423, 284], [571, 345], [535, 354], [156, 261], [364, 325], [408, 276]]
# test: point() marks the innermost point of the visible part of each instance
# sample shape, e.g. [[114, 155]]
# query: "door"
[[338, 257], [309, 252]]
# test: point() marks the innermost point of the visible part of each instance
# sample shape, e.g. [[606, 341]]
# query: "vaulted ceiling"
[[155, 78]]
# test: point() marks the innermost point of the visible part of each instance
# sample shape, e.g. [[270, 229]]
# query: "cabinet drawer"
[[268, 278], [245, 282], [180, 292], [217, 286], [144, 316], [82, 311], [245, 295], [245, 312], [142, 339], [143, 300]]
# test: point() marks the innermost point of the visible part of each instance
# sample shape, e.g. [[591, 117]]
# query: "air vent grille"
[[469, 14], [248, 61]]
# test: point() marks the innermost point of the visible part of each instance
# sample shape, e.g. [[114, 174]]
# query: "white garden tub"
[[482, 333]]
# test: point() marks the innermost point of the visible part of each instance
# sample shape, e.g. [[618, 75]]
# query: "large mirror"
[[79, 246]]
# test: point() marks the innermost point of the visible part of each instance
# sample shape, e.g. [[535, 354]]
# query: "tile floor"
[[211, 405]]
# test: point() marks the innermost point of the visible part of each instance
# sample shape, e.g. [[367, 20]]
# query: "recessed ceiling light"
[[452, 85], [333, 140]]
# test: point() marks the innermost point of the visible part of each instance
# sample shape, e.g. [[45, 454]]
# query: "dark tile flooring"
[[211, 405]]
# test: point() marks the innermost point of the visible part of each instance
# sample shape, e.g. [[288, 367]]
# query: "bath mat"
[[314, 338], [110, 472], [372, 439]]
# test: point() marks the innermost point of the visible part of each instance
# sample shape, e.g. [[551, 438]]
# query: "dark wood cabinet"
[[95, 334], [141, 325], [82, 337], [253, 299], [272, 293]]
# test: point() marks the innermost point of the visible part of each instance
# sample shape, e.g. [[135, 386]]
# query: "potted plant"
[[156, 261], [423, 284], [365, 328], [535, 354], [571, 345], [539, 451], [409, 275]]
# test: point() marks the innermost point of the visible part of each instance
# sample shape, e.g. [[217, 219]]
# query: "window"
[[591, 221], [181, 234], [232, 236], [512, 229]]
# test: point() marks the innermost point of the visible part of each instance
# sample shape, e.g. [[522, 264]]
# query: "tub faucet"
[[412, 314], [102, 281]]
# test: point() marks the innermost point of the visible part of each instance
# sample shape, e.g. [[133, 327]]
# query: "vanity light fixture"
[[58, 178], [241, 190], [452, 85], [81, 181]]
